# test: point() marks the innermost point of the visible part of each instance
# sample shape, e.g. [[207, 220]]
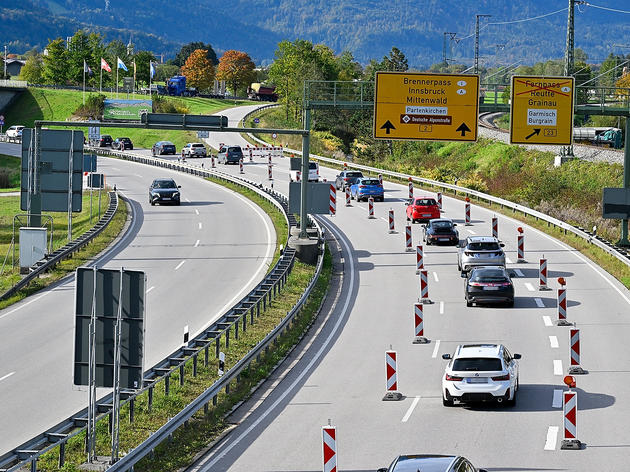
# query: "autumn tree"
[[198, 70], [188, 49], [237, 69]]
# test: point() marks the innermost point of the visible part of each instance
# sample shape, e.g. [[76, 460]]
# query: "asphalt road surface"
[[200, 258]]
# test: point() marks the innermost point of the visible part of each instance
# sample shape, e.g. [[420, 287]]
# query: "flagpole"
[[84, 81], [117, 77], [100, 88]]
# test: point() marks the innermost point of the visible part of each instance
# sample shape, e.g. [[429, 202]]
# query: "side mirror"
[[502, 245], [517, 356], [464, 275], [454, 224], [446, 357], [382, 469], [179, 186]]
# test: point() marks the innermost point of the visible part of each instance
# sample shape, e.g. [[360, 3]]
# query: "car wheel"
[[152, 203], [446, 401], [177, 203], [511, 403], [510, 304], [469, 303]]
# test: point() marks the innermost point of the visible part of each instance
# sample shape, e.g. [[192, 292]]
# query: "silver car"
[[194, 150], [480, 251]]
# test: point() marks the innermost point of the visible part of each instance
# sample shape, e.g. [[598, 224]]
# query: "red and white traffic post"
[[410, 189], [520, 240], [391, 221], [408, 246], [419, 259], [298, 175], [380, 179], [391, 385], [542, 275], [270, 159], [348, 197], [467, 212], [495, 227], [424, 287], [574, 346], [212, 161], [251, 154], [269, 171], [418, 324], [562, 304], [439, 199], [240, 165], [569, 410], [332, 205], [329, 440], [371, 208]]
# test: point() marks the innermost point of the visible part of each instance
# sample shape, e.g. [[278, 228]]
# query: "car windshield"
[[477, 364], [354, 174], [234, 149], [370, 182], [312, 165], [167, 143], [488, 275], [425, 202], [164, 184], [197, 145], [483, 246], [442, 224]]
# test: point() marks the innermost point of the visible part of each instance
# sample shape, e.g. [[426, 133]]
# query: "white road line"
[[150, 288], [470, 231], [508, 260], [436, 349], [547, 321], [519, 272], [197, 243], [441, 308], [200, 226], [187, 200], [557, 398], [306, 370], [25, 304], [409, 411], [540, 304], [196, 211], [6, 376], [529, 286], [385, 219], [138, 175], [557, 367], [553, 342], [180, 264], [552, 438], [435, 276]]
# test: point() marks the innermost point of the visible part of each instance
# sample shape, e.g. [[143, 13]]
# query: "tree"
[[165, 71], [78, 51], [188, 49], [33, 69], [55, 69], [610, 71], [396, 61], [98, 50], [198, 70], [349, 69], [142, 59], [237, 69]]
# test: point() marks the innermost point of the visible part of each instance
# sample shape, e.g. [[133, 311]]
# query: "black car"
[[122, 143], [230, 155], [106, 140], [164, 191], [488, 285], [440, 231], [346, 178], [163, 147], [431, 463]]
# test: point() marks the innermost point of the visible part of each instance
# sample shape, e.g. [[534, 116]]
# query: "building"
[[14, 66]]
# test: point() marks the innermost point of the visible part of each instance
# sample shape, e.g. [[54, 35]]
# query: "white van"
[[313, 172]]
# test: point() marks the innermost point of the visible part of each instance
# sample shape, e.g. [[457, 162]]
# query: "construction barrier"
[[251, 154], [270, 160], [569, 409], [262, 151], [495, 227], [270, 171], [212, 161], [371, 208], [240, 165], [418, 322], [298, 175], [329, 440], [348, 197], [467, 214], [424, 287], [419, 259], [520, 253], [562, 307], [574, 346], [332, 206], [391, 220], [380, 179], [408, 246], [410, 189], [391, 385], [542, 275], [439, 200]]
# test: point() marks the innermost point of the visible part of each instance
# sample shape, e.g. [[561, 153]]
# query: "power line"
[[608, 9], [527, 19]]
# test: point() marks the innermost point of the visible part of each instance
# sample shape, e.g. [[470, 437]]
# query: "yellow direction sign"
[[542, 110], [440, 107]]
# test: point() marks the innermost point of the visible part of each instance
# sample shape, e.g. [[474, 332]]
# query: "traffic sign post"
[[420, 106], [542, 110]]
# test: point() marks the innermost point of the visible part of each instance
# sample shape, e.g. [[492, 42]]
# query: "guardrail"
[[13, 83], [234, 320], [62, 253], [7, 139], [620, 253]]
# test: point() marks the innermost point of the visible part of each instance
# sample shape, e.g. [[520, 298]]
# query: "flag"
[[121, 64], [105, 65], [152, 69], [86, 68]]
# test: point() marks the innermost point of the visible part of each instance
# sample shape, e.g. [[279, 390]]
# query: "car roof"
[[482, 268], [441, 220], [195, 144], [478, 350], [482, 239], [424, 463], [164, 179]]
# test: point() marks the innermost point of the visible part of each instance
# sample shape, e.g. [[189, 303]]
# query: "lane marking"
[[529, 286], [384, 219], [25, 304], [470, 231], [200, 226], [519, 272], [441, 308], [547, 321], [197, 243], [196, 211], [557, 398], [436, 349], [6, 376], [553, 342], [557, 367], [150, 288], [187, 200], [409, 411], [540, 304], [435, 276], [178, 265], [508, 260], [323, 348], [552, 438]]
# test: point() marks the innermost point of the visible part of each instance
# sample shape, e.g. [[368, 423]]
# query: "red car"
[[422, 209]]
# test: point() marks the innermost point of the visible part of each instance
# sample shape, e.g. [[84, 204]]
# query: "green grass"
[[9, 170], [9, 206]]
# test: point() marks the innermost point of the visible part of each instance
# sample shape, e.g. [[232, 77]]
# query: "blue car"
[[366, 187]]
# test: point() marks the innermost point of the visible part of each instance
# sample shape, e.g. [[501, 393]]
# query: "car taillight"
[[454, 378], [361, 186], [502, 377], [506, 284], [476, 284], [346, 179]]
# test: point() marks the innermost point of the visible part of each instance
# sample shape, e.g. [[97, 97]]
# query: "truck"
[[177, 86], [262, 92]]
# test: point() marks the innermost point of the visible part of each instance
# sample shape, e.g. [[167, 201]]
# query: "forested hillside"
[[366, 28]]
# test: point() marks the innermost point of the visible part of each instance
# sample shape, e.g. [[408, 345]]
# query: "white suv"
[[194, 150], [480, 373]]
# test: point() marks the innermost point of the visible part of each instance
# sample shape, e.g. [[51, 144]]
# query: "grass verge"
[[9, 173]]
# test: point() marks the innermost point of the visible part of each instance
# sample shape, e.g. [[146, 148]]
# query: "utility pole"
[[569, 57], [477, 40], [5, 62], [451, 37]]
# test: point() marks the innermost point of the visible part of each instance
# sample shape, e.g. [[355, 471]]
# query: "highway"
[[200, 258], [340, 374]]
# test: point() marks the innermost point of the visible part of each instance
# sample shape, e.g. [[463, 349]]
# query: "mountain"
[[368, 29]]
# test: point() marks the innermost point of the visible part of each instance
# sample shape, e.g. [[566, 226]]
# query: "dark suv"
[[431, 463], [122, 143], [230, 155], [164, 191], [106, 140]]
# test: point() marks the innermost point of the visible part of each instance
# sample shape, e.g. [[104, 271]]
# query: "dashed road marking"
[[180, 264], [200, 225], [196, 211], [557, 398], [6, 376], [441, 308], [470, 231], [435, 276], [519, 272], [529, 286], [197, 243], [547, 321], [411, 408], [552, 438], [436, 349], [150, 288], [540, 304], [557, 367], [508, 260], [553, 342]]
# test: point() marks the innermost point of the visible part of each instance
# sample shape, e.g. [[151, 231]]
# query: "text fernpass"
[[424, 106]]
